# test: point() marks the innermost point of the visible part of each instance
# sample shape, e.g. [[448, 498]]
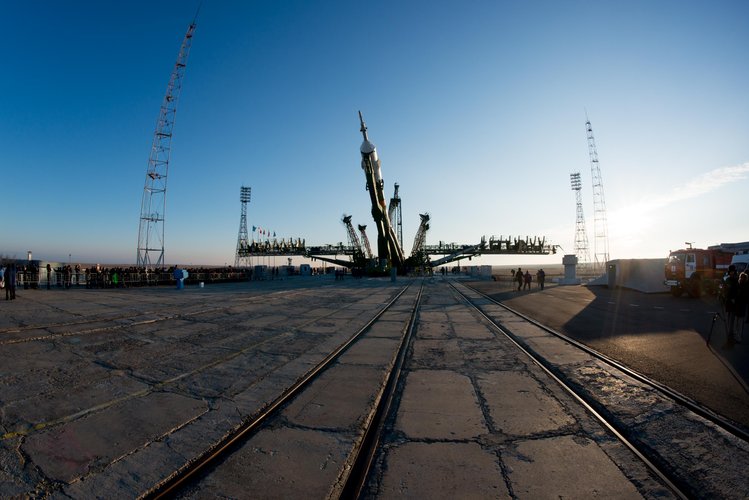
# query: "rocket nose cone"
[[367, 147]]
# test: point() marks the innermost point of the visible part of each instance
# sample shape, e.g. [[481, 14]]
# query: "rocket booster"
[[388, 247], [371, 161]]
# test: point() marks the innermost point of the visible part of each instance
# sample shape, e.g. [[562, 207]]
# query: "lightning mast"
[[581, 236], [153, 204], [242, 256], [601, 240]]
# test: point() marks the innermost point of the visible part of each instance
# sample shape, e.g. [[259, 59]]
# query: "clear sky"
[[477, 109]]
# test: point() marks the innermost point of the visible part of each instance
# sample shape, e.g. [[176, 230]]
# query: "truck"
[[696, 271]]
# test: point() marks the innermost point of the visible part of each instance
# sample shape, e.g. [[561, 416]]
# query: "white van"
[[741, 261]]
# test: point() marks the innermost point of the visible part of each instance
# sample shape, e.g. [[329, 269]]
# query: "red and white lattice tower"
[[153, 204], [600, 225]]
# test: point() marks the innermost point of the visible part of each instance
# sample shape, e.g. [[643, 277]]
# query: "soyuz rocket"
[[389, 250]]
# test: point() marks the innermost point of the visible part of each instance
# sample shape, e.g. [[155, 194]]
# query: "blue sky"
[[477, 109]]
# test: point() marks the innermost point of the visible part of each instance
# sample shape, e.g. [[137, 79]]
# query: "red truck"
[[696, 271]]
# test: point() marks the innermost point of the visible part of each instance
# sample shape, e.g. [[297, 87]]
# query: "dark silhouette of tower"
[[600, 225], [153, 203], [581, 236], [242, 256]]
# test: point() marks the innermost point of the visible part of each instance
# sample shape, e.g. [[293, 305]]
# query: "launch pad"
[[357, 254]]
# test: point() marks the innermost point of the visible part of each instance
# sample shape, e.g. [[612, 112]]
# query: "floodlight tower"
[[600, 226], [242, 256], [153, 203], [581, 236]]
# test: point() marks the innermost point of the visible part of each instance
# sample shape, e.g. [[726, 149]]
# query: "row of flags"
[[263, 232]]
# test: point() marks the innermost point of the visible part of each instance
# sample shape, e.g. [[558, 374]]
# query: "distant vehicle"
[[741, 261], [696, 271]]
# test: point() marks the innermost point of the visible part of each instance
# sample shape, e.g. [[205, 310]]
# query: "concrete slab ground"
[[477, 419], [106, 392]]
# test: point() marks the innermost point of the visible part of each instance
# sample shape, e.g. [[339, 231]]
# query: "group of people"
[[524, 279], [736, 296]]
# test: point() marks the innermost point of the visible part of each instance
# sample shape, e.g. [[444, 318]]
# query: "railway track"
[[688, 446], [237, 466], [359, 433], [440, 392]]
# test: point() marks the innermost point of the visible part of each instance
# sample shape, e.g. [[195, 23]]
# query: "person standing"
[[49, 276], [732, 297], [519, 278], [528, 278], [742, 304], [540, 278], [10, 282]]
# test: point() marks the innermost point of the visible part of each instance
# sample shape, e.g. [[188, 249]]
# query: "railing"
[[121, 279]]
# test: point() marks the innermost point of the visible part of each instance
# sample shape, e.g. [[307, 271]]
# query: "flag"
[[253, 229]]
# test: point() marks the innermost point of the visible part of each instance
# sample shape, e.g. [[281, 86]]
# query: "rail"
[[364, 452], [663, 452]]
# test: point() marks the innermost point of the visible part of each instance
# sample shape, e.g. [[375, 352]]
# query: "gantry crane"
[[365, 241], [353, 239]]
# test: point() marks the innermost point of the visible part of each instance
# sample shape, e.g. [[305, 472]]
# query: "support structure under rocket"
[[389, 251]]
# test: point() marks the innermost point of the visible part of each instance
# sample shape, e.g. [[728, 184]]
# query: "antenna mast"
[[242, 256], [601, 240], [153, 204], [581, 236]]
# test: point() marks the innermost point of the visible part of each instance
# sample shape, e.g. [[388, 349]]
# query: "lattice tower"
[[395, 214], [365, 240], [421, 235], [153, 204], [581, 236], [600, 225], [353, 239], [242, 255]]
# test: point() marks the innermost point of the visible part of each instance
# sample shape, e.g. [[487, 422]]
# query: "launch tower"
[[395, 214], [353, 239], [153, 203], [365, 241]]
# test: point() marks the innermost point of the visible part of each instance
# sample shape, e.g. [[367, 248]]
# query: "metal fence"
[[121, 279]]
